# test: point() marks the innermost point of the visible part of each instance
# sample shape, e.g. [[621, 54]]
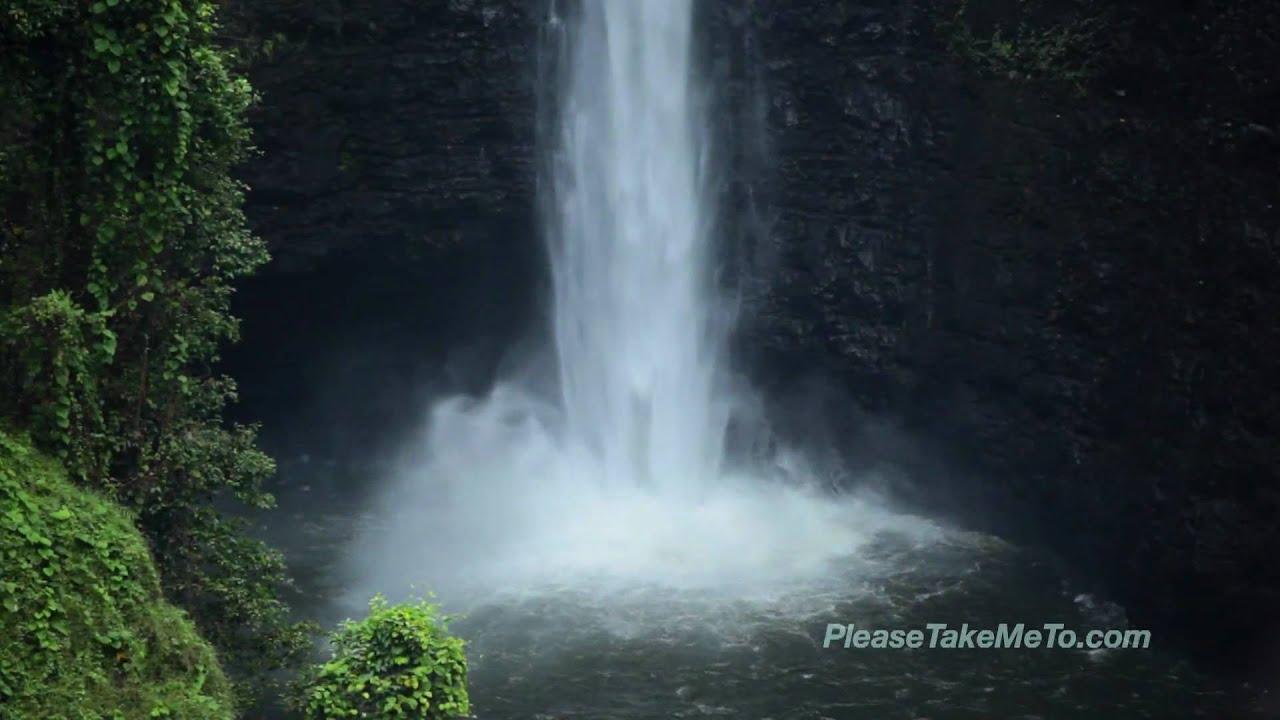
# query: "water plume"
[[616, 476]]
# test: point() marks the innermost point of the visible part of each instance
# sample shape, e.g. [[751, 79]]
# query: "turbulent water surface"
[[606, 649], [610, 559]]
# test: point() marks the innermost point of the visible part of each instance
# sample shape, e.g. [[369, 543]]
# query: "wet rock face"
[[1065, 312], [943, 253], [396, 192], [856, 102], [391, 122]]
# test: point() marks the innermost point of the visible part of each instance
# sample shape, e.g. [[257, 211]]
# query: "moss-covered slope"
[[84, 630]]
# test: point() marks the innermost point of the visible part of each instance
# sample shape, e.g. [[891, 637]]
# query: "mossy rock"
[[85, 632]]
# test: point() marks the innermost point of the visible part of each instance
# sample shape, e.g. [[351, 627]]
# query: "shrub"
[[85, 633], [400, 662]]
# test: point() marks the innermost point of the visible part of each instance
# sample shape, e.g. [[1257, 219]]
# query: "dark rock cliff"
[[396, 191], [1091, 360], [1071, 301]]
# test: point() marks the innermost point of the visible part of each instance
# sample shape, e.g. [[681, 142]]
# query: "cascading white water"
[[613, 478], [638, 335]]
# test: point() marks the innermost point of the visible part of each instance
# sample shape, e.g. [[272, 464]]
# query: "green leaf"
[[108, 342]]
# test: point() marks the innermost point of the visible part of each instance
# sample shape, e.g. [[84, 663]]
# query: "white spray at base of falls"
[[617, 478]]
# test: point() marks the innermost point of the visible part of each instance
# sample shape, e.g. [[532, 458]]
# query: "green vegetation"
[[85, 632], [1027, 42], [1206, 62], [121, 235], [400, 662]]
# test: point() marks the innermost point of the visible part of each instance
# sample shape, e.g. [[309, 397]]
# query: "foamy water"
[[499, 503]]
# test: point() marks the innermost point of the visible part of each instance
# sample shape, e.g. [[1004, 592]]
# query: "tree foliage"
[[399, 662], [121, 235]]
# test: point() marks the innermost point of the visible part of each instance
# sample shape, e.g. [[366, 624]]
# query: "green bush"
[[400, 662], [85, 633]]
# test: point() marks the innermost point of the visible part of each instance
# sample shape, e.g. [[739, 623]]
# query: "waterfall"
[[638, 337], [609, 473]]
